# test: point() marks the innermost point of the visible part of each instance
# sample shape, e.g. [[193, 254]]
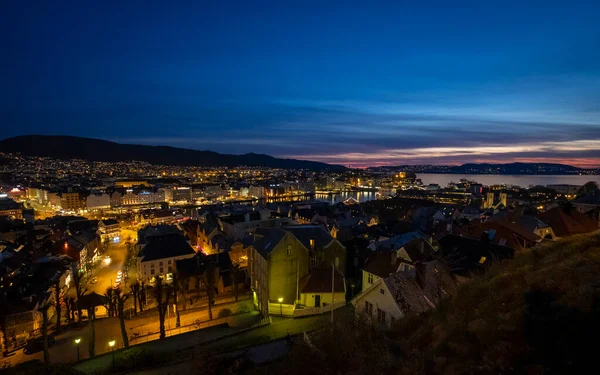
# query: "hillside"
[[67, 147], [535, 314]]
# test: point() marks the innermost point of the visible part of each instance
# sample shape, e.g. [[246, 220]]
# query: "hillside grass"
[[538, 313], [533, 314]]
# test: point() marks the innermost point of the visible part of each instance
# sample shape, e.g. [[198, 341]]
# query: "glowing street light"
[[77, 341], [280, 299], [112, 343]]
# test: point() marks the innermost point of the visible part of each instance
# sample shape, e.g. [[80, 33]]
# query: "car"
[[94, 280], [37, 344]]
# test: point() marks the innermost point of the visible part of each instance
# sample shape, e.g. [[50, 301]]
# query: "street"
[[108, 329]]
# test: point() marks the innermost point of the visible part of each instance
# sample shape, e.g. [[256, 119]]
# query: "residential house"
[[323, 287], [566, 221], [277, 261], [324, 250], [411, 291], [465, 256], [238, 226], [158, 255]]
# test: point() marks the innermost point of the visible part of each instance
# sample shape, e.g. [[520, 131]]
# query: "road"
[[108, 329]]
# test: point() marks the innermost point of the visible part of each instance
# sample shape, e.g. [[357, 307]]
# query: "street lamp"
[[77, 341], [112, 343], [280, 299]]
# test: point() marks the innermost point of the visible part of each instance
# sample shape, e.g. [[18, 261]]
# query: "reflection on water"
[[519, 180], [361, 196]]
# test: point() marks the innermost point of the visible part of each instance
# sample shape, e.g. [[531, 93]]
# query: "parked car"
[[37, 344]]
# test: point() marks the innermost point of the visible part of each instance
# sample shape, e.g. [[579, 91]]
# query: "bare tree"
[[175, 288], [92, 343], [135, 291], [234, 280], [184, 287], [209, 280], [44, 311], [110, 296], [162, 300], [79, 291], [57, 305], [120, 298]]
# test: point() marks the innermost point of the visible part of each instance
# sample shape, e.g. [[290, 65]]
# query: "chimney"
[[420, 274]]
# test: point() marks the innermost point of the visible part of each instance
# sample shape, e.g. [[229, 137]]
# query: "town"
[[99, 258]]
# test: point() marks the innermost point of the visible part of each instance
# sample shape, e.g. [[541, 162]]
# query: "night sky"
[[441, 82]]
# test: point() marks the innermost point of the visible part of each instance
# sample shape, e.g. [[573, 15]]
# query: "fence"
[[299, 312]]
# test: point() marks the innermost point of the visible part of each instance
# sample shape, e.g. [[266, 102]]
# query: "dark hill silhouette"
[[68, 147]]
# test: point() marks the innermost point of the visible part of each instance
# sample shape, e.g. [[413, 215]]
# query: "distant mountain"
[[486, 168], [67, 147]]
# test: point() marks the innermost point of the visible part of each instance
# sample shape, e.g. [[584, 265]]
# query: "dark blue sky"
[[415, 82]]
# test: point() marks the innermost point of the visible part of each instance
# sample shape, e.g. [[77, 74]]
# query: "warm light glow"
[[77, 341], [280, 299], [112, 343], [106, 261]]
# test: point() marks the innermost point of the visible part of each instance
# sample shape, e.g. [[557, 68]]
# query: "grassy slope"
[[530, 315]]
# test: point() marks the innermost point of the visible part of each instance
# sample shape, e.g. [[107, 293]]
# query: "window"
[[169, 261], [369, 307], [482, 260], [170, 269], [289, 250], [380, 316], [312, 243], [152, 265], [160, 270], [152, 271], [381, 291], [160, 264], [370, 278]]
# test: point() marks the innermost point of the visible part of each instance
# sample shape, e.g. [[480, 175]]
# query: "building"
[[238, 226], [158, 255], [10, 208], [109, 228], [565, 189], [566, 221], [322, 287], [277, 262], [72, 201], [98, 201], [394, 296]]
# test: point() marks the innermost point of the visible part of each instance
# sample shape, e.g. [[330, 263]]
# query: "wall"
[[283, 269], [308, 299], [365, 280], [384, 302]]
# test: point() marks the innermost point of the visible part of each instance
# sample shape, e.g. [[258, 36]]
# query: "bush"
[[224, 313]]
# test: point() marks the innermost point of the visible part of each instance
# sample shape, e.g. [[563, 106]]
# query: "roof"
[[567, 221], [319, 281], [306, 233], [399, 241], [8, 204], [108, 222], [407, 294], [464, 255], [91, 300], [240, 218], [382, 264], [267, 239], [169, 246]]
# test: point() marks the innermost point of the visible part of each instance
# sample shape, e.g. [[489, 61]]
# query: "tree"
[[57, 305], [588, 188], [209, 280], [234, 280], [92, 343], [162, 300], [44, 311], [79, 291], [175, 288], [120, 298], [142, 297], [135, 291], [184, 287], [3, 316], [110, 296]]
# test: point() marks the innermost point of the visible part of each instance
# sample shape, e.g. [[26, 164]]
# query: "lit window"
[[312, 243], [289, 250], [482, 260]]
